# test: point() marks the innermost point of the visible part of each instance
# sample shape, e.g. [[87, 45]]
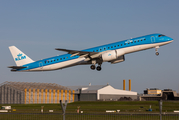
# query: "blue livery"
[[113, 53]]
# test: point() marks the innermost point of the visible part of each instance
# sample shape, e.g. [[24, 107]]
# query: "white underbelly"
[[142, 47], [60, 65]]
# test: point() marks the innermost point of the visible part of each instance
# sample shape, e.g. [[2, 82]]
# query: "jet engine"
[[119, 59], [112, 55]]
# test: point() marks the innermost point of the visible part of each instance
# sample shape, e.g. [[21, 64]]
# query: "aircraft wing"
[[76, 52], [17, 67]]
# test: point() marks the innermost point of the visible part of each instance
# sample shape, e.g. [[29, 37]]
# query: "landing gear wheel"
[[93, 67], [98, 68], [157, 53]]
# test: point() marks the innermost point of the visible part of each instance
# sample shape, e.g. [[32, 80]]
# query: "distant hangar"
[[100, 92], [34, 93], [38, 93]]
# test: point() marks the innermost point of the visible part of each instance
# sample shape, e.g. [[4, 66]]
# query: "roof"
[[97, 88], [85, 89], [33, 85]]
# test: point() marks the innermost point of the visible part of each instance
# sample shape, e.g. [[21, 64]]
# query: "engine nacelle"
[[112, 55], [119, 59]]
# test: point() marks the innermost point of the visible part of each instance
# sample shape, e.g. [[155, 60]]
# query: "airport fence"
[[77, 116], [50, 112]]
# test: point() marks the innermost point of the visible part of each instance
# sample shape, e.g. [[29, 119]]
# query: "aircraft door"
[[41, 65], [152, 39]]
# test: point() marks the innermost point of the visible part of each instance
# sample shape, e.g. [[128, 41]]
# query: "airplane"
[[112, 53]]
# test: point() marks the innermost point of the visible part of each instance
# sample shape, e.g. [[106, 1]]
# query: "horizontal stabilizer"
[[17, 67]]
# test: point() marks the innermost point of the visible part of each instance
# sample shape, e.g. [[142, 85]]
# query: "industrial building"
[[100, 92], [38, 93], [31, 93], [152, 91], [156, 94]]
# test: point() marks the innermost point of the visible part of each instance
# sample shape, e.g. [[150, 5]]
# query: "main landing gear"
[[98, 68], [93, 67], [156, 50]]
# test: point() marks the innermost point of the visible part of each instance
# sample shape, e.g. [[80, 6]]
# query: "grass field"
[[99, 107], [129, 110]]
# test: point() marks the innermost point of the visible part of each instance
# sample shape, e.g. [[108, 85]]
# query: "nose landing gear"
[[157, 53], [156, 50]]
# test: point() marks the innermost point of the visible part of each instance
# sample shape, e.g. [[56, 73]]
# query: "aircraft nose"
[[170, 39]]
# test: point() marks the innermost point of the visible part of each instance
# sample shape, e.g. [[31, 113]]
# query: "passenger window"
[[128, 42], [67, 57], [104, 48], [60, 58], [121, 44], [138, 40], [57, 59], [100, 49], [131, 42], [135, 41], [118, 45], [45, 61], [144, 39], [124, 43], [111, 46], [108, 47], [64, 58], [114, 46], [141, 39], [97, 50]]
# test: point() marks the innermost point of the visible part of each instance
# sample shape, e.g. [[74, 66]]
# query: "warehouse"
[[31, 93], [156, 94], [101, 92]]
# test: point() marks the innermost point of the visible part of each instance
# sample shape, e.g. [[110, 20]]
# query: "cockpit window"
[[161, 35]]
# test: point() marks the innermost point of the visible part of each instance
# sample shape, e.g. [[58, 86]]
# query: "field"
[[135, 110], [99, 107]]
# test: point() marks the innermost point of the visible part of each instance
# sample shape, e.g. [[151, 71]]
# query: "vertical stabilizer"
[[19, 57]]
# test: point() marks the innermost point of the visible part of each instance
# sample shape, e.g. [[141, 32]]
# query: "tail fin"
[[19, 57]]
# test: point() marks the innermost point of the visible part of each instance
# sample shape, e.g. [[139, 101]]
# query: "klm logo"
[[109, 54], [20, 57]]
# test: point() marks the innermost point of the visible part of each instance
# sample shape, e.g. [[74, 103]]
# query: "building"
[[31, 93], [100, 92], [153, 91], [156, 94]]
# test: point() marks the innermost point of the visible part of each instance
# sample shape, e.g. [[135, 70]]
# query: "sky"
[[37, 27]]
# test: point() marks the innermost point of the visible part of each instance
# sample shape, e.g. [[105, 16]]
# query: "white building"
[[100, 92]]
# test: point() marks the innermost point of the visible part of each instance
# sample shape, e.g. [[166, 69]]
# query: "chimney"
[[124, 85], [129, 84]]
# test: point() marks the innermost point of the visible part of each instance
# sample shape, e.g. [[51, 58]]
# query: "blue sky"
[[37, 27]]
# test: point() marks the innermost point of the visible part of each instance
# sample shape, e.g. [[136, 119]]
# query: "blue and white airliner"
[[113, 53]]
